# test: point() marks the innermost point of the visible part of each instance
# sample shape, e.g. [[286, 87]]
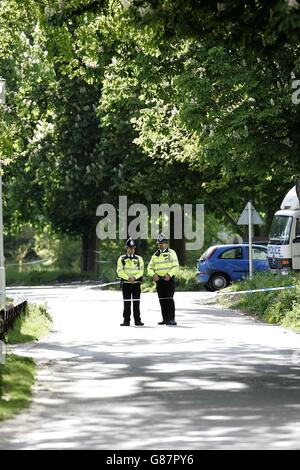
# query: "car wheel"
[[218, 282]]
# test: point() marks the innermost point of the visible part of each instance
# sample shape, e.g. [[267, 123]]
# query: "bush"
[[280, 307], [186, 280], [292, 317]]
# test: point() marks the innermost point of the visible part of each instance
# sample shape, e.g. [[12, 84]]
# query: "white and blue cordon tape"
[[252, 291]]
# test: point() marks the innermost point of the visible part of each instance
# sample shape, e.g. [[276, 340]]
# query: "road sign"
[[244, 219], [250, 217]]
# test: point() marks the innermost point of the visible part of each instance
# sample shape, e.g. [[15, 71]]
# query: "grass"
[[45, 277], [277, 307], [17, 375], [30, 327]]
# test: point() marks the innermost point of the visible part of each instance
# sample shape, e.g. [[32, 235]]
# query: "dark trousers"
[[166, 289], [132, 291]]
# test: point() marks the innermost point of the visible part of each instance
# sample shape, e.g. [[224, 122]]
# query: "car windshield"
[[281, 229]]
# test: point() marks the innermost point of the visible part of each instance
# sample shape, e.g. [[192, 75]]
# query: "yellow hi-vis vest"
[[130, 266], [163, 263]]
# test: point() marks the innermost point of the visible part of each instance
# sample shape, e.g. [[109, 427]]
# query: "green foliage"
[[292, 317], [17, 376], [33, 251], [67, 254], [186, 280], [46, 277], [165, 101], [34, 324], [253, 26], [280, 307]]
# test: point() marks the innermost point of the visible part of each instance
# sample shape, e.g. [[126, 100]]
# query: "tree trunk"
[[90, 246], [177, 245]]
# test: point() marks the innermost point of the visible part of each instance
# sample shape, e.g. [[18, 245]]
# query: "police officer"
[[162, 268], [130, 269]]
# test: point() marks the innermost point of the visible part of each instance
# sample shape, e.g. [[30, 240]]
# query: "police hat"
[[162, 238], [130, 243]]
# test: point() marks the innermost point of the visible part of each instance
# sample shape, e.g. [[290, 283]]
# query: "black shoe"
[[125, 324], [139, 323], [162, 322], [171, 323]]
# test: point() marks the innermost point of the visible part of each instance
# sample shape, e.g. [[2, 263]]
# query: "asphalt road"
[[218, 380]]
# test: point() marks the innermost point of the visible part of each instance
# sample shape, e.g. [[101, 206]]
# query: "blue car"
[[221, 265]]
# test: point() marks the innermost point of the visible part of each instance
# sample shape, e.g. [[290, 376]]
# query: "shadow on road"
[[217, 381], [168, 400]]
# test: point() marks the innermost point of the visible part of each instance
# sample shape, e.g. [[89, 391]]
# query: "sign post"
[[250, 217]]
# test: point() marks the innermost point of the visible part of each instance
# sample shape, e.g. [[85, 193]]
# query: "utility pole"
[[250, 240], [2, 268]]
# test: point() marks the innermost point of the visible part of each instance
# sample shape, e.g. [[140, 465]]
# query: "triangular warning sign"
[[244, 219]]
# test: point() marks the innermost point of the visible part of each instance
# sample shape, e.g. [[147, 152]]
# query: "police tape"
[[109, 284], [126, 300], [40, 261], [133, 300], [253, 291]]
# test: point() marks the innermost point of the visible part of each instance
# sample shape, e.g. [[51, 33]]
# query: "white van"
[[284, 240]]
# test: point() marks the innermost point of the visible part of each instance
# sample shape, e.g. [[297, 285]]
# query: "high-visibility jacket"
[[130, 266], [163, 263]]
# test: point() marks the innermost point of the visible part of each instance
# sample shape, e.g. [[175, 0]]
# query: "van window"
[[234, 253], [298, 228], [281, 229]]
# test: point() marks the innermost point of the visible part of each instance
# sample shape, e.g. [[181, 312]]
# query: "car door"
[[233, 262], [296, 246], [260, 258]]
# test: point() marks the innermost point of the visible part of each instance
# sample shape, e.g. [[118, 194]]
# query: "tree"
[[232, 101], [108, 98]]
